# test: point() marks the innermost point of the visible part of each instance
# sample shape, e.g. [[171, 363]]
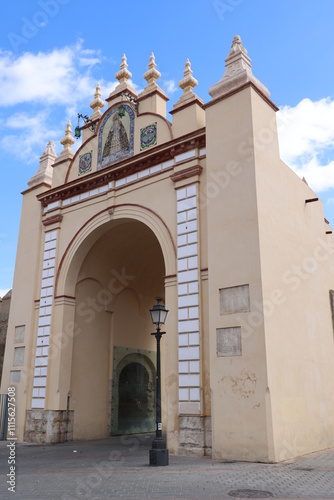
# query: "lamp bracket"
[[131, 99], [87, 120]]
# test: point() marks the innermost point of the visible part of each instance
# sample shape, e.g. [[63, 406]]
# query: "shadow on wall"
[[4, 314]]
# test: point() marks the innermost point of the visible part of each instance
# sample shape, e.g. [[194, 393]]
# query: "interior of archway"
[[117, 284]]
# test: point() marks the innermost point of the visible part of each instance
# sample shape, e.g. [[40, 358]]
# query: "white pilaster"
[[44, 321], [188, 300]]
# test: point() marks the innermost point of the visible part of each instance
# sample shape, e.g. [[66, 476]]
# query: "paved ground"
[[117, 468]]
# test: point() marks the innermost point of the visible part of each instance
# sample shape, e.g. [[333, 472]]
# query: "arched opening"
[[118, 281]]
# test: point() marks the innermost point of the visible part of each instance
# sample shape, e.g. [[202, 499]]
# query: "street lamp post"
[[158, 451]]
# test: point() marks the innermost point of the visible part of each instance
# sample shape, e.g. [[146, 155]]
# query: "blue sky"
[[53, 52]]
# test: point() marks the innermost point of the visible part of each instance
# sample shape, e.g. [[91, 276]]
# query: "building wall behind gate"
[[90, 367]]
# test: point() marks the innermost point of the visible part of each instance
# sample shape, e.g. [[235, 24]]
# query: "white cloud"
[[50, 87], [306, 136], [58, 77], [32, 134], [3, 291], [88, 61], [170, 86]]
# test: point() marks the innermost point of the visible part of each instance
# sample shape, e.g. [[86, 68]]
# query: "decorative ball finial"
[[97, 91], [123, 74], [67, 140], [188, 82], [97, 103], [152, 74]]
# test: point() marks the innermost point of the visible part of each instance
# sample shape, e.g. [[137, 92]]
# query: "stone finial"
[[44, 173], [97, 103], [238, 71], [237, 48], [49, 151], [67, 142], [152, 74], [188, 82], [123, 74]]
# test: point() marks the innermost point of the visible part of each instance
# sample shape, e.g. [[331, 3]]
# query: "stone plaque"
[[229, 341], [234, 299], [15, 376], [19, 356], [19, 334]]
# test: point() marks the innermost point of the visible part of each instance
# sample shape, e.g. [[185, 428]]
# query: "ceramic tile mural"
[[85, 163], [116, 136], [148, 136]]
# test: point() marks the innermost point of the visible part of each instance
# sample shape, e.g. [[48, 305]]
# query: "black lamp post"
[[158, 452]]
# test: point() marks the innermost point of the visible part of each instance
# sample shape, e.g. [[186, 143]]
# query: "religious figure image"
[[117, 142]]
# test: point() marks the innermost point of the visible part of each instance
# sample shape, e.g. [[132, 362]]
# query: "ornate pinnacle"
[[123, 74], [152, 74], [68, 140], [188, 82], [44, 173], [97, 103], [237, 52], [238, 71], [49, 150]]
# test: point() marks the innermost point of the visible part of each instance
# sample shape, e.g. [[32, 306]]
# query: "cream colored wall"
[[154, 103], [188, 120], [297, 274], [164, 130], [26, 284], [238, 383]]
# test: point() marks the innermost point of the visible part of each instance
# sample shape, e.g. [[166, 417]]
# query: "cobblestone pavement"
[[117, 468]]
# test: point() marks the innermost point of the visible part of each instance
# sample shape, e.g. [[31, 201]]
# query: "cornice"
[[120, 92], [185, 174], [126, 167], [45, 184], [239, 89], [157, 91], [187, 104], [54, 219]]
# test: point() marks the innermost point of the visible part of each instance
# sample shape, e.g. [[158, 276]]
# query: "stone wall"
[[4, 314], [195, 435], [49, 426]]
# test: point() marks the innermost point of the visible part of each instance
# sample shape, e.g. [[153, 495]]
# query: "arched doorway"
[[133, 398]]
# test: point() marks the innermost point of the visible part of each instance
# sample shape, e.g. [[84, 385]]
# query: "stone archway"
[[121, 275], [96, 227]]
